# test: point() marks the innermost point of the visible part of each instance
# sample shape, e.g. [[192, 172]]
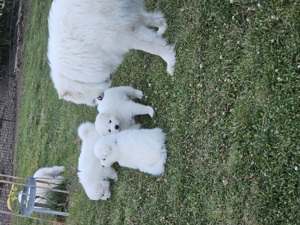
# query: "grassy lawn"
[[231, 113]]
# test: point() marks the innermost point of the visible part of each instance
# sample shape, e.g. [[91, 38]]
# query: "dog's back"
[[142, 149]]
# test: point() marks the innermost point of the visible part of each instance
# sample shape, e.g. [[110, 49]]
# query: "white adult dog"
[[117, 110], [88, 40], [142, 149], [46, 179], [92, 176]]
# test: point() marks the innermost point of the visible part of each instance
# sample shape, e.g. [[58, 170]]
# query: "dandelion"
[[225, 182]]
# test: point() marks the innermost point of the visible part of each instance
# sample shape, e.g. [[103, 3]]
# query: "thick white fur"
[[142, 149], [92, 176], [88, 40], [50, 176], [117, 110]]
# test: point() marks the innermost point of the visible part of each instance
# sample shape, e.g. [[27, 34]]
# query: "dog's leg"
[[139, 109], [131, 92], [155, 19], [148, 41]]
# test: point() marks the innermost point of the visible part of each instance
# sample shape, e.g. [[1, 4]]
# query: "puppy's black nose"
[[116, 127], [102, 166]]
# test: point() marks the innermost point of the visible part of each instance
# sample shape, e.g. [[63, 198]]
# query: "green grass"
[[231, 114]]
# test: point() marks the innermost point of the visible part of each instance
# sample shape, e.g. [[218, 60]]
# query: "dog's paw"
[[150, 111], [159, 19], [171, 60], [139, 94], [170, 69], [106, 194], [161, 30]]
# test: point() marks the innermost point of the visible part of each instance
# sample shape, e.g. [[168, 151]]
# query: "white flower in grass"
[[225, 182], [296, 168]]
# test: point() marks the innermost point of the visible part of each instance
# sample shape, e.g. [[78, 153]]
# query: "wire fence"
[[8, 97]]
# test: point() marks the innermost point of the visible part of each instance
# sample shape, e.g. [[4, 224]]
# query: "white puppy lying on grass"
[[92, 176], [49, 177], [142, 149], [117, 110]]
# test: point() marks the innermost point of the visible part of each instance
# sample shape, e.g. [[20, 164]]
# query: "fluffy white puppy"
[[142, 149], [49, 177], [117, 110], [92, 176], [88, 40]]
